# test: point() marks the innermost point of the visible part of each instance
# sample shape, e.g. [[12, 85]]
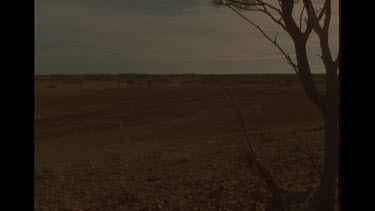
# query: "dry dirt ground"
[[168, 144]]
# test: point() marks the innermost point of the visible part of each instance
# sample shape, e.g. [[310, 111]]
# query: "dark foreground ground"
[[143, 142]]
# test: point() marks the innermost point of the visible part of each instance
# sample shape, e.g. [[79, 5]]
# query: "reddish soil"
[[106, 145]]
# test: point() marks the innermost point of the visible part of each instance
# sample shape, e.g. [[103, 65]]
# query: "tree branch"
[[300, 18], [269, 5], [302, 69], [310, 158], [323, 33], [327, 13], [251, 3], [266, 36], [278, 21], [321, 13], [313, 20], [257, 6], [254, 161], [290, 24], [250, 145], [338, 59]]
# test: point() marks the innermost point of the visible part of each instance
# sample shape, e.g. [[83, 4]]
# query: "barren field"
[[168, 142]]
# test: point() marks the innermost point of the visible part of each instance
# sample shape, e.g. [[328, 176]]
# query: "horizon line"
[[55, 74]]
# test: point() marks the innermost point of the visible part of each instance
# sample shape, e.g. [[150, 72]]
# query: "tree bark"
[[325, 198], [305, 76]]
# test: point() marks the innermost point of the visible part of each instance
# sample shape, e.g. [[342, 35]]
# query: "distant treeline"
[[202, 79]]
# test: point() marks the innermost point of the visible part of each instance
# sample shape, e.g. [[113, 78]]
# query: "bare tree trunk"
[[325, 198], [326, 195]]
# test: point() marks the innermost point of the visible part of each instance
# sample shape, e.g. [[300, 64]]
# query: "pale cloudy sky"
[[157, 36]]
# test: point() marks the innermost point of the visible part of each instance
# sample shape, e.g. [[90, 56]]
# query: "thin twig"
[[248, 141], [309, 158], [300, 18], [254, 161], [295, 67]]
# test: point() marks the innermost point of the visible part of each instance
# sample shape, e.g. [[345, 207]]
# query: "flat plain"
[[169, 142]]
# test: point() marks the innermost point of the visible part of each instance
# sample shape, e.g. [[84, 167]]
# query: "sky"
[[159, 37]]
